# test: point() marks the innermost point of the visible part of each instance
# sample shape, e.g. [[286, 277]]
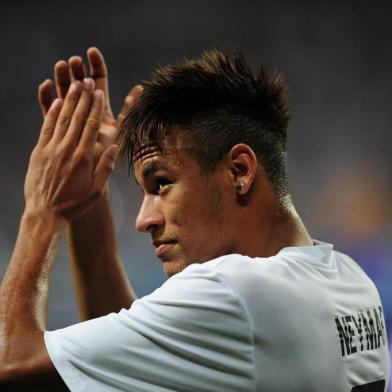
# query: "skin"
[[231, 210], [179, 203], [60, 158], [207, 215], [64, 178], [91, 238]]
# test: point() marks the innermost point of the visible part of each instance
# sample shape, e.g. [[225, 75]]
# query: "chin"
[[172, 267]]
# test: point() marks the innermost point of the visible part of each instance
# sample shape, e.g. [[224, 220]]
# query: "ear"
[[242, 163]]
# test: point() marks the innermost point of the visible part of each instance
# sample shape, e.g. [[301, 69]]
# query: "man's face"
[[183, 208]]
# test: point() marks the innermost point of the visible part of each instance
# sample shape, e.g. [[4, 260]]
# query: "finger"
[[45, 98], [61, 77], [80, 113], [77, 68], [93, 122], [49, 123], [67, 110], [105, 167], [98, 71], [129, 101]]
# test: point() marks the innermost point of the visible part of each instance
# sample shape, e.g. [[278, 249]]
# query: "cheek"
[[184, 214], [201, 212], [197, 213], [183, 208]]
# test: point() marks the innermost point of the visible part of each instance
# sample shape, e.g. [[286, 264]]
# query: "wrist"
[[42, 221], [95, 212]]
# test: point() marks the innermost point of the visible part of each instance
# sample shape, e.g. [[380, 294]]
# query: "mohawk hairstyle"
[[218, 102]]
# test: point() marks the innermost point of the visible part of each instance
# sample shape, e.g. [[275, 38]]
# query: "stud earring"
[[241, 185]]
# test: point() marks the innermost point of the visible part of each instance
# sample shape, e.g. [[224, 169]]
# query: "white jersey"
[[307, 319]]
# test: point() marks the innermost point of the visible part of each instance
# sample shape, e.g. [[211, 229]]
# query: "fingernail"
[[56, 103], [98, 94], [75, 59], [74, 86], [88, 84]]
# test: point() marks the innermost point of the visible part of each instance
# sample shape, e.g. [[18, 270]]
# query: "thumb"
[[45, 98], [129, 101], [105, 167]]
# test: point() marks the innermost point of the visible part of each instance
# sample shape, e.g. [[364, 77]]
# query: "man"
[[252, 303]]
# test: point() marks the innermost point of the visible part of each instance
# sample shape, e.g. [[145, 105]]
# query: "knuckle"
[[92, 123], [63, 151], [82, 157], [64, 120], [72, 96], [50, 146], [48, 125], [35, 153], [46, 131], [79, 117], [52, 114]]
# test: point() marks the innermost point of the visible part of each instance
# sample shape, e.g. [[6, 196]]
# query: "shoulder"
[[220, 278], [191, 331], [236, 282], [201, 285], [241, 272]]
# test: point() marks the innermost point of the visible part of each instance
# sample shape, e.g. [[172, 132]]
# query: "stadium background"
[[335, 56]]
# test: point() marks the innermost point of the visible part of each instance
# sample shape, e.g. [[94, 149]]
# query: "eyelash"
[[161, 183]]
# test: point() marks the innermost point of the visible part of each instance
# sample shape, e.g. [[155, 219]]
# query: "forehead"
[[172, 143], [151, 159]]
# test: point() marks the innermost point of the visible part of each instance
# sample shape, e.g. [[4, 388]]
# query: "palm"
[[108, 130], [109, 126]]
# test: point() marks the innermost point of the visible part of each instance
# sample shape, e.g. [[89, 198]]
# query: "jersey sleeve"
[[191, 334]]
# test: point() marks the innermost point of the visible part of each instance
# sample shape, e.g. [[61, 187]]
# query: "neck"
[[271, 229]]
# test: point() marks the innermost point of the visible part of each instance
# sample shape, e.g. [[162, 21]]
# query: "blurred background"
[[335, 56]]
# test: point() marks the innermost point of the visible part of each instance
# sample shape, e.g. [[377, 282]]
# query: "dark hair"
[[218, 103]]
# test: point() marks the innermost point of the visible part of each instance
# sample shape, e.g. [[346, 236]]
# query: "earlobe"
[[241, 186]]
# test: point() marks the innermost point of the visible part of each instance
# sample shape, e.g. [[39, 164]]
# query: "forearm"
[[100, 280], [24, 289], [67, 172]]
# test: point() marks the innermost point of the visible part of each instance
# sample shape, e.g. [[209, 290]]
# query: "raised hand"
[[65, 174], [66, 72]]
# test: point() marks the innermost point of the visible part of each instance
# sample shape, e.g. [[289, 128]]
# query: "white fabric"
[[235, 324]]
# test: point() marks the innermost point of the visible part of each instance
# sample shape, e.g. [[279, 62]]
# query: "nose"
[[149, 217]]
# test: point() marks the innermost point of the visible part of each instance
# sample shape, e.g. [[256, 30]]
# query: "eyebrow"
[[150, 169]]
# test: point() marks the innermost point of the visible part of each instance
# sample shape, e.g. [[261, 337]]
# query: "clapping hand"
[[66, 173], [75, 69]]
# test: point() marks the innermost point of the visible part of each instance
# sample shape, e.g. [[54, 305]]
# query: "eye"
[[161, 183]]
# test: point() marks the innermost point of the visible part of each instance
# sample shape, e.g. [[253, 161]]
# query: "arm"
[[23, 308], [96, 263], [92, 244], [63, 180]]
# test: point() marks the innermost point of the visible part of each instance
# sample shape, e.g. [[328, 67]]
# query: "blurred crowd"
[[335, 57]]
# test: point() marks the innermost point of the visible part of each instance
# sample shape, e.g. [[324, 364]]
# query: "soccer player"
[[252, 302]]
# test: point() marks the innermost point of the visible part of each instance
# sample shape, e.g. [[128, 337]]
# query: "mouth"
[[162, 246]]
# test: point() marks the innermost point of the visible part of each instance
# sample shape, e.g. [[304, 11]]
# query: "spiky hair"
[[218, 102]]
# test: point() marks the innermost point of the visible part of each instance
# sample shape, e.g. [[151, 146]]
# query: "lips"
[[162, 246]]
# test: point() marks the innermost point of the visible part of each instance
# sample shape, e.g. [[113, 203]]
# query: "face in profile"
[[183, 208]]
